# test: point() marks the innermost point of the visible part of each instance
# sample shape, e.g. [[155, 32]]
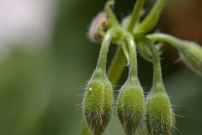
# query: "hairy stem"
[[133, 56], [111, 33], [166, 38], [104, 50], [157, 73]]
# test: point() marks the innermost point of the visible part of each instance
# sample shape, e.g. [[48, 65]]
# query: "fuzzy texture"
[[191, 54], [97, 104], [99, 24], [130, 106], [160, 119]]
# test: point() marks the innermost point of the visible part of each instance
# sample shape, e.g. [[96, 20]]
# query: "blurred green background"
[[41, 89]]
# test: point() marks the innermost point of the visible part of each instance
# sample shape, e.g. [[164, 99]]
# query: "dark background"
[[41, 91]]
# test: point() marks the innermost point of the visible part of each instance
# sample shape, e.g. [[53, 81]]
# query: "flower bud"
[[130, 106], [145, 52], [160, 119], [191, 54], [97, 103], [98, 27]]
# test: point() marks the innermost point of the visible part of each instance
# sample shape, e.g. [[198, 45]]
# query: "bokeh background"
[[46, 60]]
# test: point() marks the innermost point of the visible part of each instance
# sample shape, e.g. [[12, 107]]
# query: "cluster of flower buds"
[[98, 99], [155, 111]]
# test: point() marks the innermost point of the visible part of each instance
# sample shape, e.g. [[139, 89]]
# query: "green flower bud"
[[130, 106], [191, 54], [160, 119], [98, 27], [97, 103]]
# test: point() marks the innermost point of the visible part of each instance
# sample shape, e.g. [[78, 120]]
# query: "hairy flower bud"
[[191, 54], [97, 103], [160, 119], [97, 27], [130, 106]]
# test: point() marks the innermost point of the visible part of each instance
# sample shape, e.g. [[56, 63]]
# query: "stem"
[[152, 18], [133, 56], [117, 66], [115, 73], [104, 50], [111, 33], [112, 18], [135, 14], [166, 38], [157, 73]]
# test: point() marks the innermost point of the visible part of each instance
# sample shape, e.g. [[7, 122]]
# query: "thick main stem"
[[117, 66]]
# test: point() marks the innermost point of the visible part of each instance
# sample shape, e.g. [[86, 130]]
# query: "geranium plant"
[[132, 35]]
